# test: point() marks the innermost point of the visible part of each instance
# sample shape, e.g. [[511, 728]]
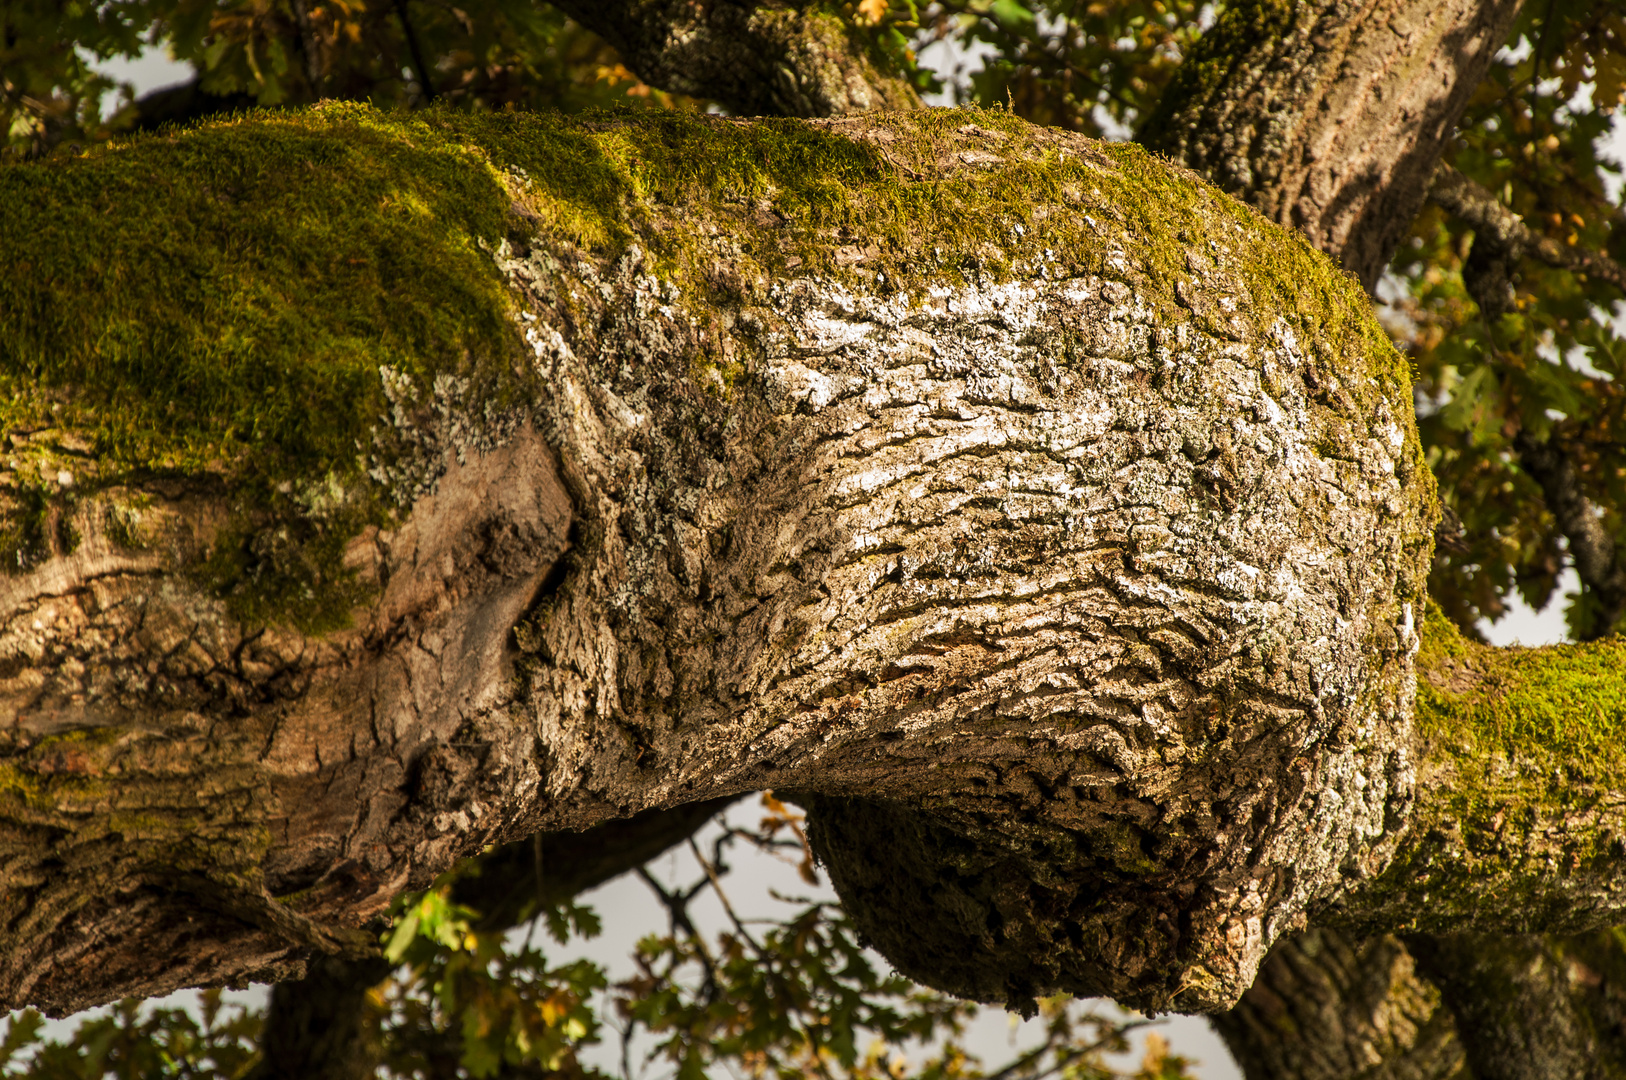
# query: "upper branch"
[[767, 59], [1502, 237], [1330, 117]]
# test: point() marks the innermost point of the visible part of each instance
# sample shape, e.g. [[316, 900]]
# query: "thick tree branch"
[[767, 59], [1520, 816], [1516, 1006], [1025, 489], [1330, 117]]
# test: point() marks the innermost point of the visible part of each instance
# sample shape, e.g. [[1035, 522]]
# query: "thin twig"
[[677, 909], [768, 966]]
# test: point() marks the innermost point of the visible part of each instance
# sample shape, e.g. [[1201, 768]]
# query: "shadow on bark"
[[1451, 1007]]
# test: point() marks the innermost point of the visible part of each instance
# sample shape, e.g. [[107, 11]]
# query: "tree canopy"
[[1484, 221]]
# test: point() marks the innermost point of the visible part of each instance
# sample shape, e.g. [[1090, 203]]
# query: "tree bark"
[[1514, 1002], [754, 59], [319, 1027], [1330, 118], [1030, 492], [1330, 1007]]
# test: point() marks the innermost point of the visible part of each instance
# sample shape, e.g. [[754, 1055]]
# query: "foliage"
[[133, 1042], [486, 54], [466, 1000], [791, 998], [1550, 367], [1096, 67]]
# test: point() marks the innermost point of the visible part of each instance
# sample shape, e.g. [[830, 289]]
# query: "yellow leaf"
[[872, 11]]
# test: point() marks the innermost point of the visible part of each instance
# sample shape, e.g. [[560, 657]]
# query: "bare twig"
[[677, 909], [418, 65]]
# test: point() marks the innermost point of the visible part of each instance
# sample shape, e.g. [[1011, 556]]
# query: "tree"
[[1054, 527]]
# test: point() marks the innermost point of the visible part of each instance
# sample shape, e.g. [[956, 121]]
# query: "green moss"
[[216, 303], [1521, 752], [1556, 707], [24, 537], [124, 520]]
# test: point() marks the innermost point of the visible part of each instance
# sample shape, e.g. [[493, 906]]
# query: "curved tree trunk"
[[1099, 550]]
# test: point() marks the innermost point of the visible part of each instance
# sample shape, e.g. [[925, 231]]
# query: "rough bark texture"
[[1023, 488], [1515, 1004], [1330, 118], [1329, 1007], [753, 59], [170, 770], [319, 1027]]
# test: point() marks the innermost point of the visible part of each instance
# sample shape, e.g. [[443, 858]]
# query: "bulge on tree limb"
[[1051, 524]]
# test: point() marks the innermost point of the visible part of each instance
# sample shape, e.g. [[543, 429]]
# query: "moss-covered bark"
[[662, 492], [1519, 823]]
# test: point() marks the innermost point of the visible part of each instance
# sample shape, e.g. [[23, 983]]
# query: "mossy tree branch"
[[696, 517], [497, 675], [1520, 819]]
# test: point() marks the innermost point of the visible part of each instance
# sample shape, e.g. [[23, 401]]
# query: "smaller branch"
[[1597, 561], [307, 47], [753, 60], [722, 897], [1501, 239], [677, 909], [1541, 43], [728, 908], [1505, 230]]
